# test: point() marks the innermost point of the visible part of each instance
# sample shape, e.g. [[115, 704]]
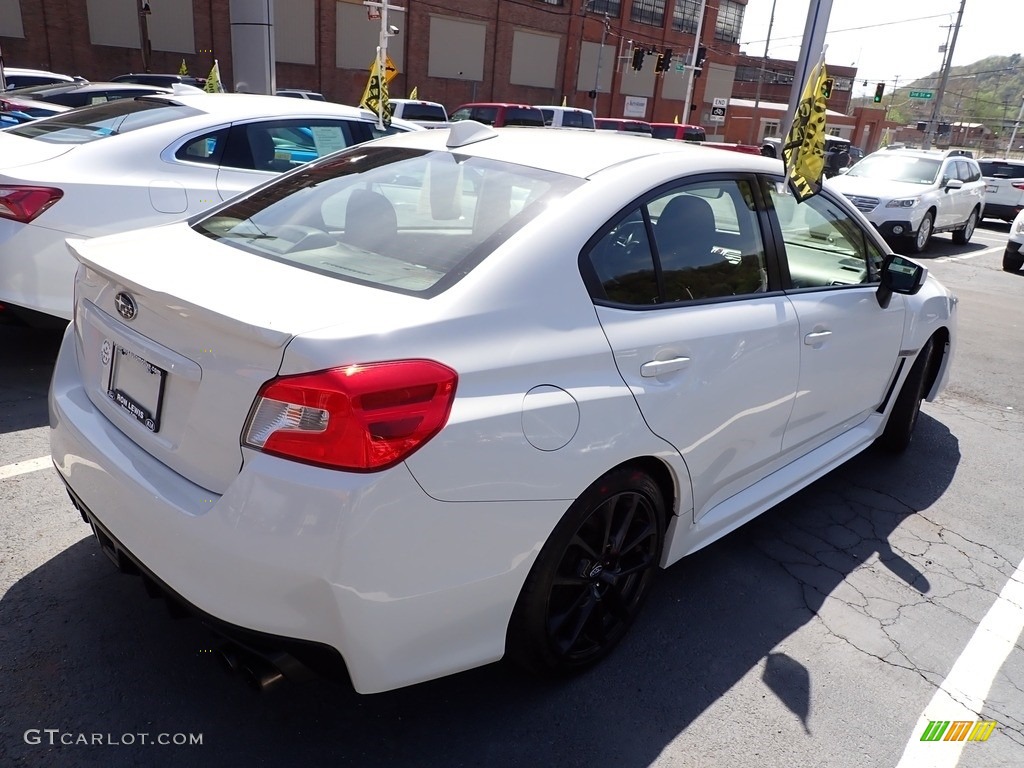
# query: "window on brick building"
[[648, 12], [729, 21], [684, 16], [611, 7]]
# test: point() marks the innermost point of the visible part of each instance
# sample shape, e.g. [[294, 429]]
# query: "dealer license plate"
[[137, 386], [991, 188]]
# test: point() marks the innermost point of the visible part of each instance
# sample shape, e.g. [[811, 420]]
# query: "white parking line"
[[996, 249], [24, 467], [962, 694]]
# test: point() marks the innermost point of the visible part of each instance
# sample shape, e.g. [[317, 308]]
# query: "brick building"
[[531, 51]]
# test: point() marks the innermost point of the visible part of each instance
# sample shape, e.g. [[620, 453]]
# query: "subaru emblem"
[[125, 305]]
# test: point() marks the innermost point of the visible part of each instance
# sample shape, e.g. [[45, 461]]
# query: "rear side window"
[[693, 243], [694, 134], [81, 126], [665, 131], [280, 145], [404, 220]]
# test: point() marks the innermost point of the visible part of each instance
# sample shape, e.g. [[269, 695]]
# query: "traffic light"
[[664, 61], [879, 90], [638, 58], [702, 53], [826, 87]]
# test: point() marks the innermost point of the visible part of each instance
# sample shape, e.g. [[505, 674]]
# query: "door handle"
[[813, 339], [658, 367]]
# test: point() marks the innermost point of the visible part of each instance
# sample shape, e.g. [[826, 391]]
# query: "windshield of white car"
[[86, 124], [913, 170], [405, 220]]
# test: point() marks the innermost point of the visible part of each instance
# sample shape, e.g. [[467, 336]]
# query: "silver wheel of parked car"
[[963, 236], [924, 233]]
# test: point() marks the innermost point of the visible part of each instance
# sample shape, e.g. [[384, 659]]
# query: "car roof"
[[248, 105], [574, 153], [495, 104]]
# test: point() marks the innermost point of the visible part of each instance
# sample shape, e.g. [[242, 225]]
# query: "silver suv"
[[910, 194]]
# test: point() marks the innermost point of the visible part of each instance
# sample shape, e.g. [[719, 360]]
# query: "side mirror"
[[899, 275], [954, 184]]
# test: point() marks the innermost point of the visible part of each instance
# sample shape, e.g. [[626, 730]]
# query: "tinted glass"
[[206, 149], [81, 126], [404, 220], [623, 262], [577, 120], [423, 112], [523, 116], [280, 145], [1001, 169], [665, 131], [694, 134]]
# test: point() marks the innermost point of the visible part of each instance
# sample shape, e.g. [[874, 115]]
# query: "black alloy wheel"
[[592, 577]]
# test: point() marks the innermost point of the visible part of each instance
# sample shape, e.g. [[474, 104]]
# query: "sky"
[[888, 39]]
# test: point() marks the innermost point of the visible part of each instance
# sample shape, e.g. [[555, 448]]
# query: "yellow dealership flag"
[[804, 149], [414, 93], [213, 84], [563, 101], [375, 97], [183, 69]]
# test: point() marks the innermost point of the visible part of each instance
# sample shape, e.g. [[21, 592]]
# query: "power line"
[[855, 29]]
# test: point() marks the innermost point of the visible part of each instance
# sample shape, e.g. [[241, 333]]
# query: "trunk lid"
[[210, 327], [18, 151]]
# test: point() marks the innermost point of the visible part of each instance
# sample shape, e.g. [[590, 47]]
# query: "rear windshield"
[[665, 131], [1001, 170], [423, 112], [80, 126], [523, 116], [405, 220]]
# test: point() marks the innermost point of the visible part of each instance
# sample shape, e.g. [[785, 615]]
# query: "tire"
[[899, 429], [919, 241], [591, 577], [1012, 264], [963, 236]]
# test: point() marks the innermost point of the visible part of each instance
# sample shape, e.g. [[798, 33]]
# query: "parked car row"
[[136, 162]]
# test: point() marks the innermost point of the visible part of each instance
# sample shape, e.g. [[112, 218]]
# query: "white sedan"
[[460, 393], [139, 162]]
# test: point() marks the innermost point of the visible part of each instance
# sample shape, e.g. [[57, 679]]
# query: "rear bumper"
[[1000, 211], [37, 272], [403, 587]]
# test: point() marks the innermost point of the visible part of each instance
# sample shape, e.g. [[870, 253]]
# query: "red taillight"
[[360, 417], [23, 203], [1017, 184]]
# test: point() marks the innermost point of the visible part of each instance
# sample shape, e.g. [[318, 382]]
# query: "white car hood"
[[862, 185]]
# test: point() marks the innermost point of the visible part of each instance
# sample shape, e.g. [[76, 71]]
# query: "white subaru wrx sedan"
[[460, 393]]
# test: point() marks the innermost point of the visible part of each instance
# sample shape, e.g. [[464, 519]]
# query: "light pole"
[[597, 69], [146, 45], [386, 31], [760, 78], [693, 62]]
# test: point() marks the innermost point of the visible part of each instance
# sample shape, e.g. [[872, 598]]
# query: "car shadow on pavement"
[[84, 651]]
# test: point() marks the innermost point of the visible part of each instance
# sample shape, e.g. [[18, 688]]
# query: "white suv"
[[910, 194], [1004, 187], [1013, 256]]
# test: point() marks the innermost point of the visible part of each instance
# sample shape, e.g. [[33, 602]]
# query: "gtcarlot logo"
[[54, 737]]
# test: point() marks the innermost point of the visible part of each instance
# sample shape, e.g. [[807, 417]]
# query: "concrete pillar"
[[252, 46]]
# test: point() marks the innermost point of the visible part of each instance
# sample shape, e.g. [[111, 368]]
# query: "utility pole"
[[693, 62], [937, 109], [597, 70], [3, 80], [386, 31], [760, 78], [1009, 144], [146, 46]]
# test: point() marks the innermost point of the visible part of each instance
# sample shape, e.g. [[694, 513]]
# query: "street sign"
[[921, 94], [718, 109]]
